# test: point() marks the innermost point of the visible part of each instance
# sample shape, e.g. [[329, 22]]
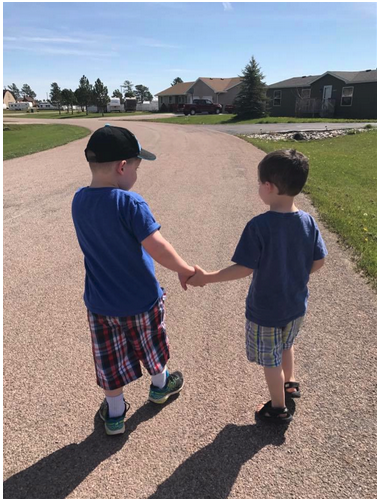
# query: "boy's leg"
[[288, 364], [275, 382], [115, 402]]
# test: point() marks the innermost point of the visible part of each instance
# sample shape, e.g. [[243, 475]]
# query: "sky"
[[153, 43]]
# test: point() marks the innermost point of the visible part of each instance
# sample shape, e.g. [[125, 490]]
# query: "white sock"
[[159, 380], [116, 406]]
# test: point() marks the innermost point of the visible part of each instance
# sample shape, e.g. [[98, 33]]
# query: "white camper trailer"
[[20, 106], [114, 105]]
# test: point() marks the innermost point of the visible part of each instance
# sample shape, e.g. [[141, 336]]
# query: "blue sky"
[[152, 43]]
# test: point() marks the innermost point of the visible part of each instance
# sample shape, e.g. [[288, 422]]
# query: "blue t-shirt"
[[281, 248], [110, 225]]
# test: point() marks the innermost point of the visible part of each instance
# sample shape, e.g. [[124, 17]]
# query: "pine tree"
[[84, 93], [56, 95], [176, 81], [15, 91], [251, 99], [100, 95]]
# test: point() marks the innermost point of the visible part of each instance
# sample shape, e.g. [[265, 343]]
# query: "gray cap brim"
[[143, 154]]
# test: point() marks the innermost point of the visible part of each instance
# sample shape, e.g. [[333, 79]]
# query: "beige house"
[[7, 98], [218, 90]]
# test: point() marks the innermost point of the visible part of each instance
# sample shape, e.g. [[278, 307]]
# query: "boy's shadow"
[[208, 474], [57, 475], [211, 472]]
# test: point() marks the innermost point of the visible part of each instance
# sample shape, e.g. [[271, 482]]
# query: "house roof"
[[178, 89], [346, 76], [217, 85]]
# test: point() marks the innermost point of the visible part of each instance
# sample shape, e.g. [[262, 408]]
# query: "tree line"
[[86, 94], [251, 101]]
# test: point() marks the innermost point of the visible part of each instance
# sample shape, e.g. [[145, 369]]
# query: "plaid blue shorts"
[[265, 345], [119, 344]]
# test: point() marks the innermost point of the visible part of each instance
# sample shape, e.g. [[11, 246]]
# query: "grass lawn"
[[230, 119], [64, 115], [342, 185], [20, 140]]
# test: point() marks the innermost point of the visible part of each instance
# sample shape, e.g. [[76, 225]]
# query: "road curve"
[[205, 444]]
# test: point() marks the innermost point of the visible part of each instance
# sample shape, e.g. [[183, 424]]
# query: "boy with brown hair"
[[281, 248], [120, 239]]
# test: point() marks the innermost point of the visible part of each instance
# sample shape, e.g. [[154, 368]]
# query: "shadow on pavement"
[[211, 472], [57, 475]]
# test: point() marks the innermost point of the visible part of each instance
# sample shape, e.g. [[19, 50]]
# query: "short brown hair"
[[288, 169]]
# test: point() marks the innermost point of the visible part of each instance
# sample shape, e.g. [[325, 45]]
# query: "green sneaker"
[[174, 384], [113, 426]]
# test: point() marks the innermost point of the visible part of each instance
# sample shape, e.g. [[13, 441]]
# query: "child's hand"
[[199, 279], [184, 278]]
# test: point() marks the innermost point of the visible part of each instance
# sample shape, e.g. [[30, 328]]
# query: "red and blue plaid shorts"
[[120, 343]]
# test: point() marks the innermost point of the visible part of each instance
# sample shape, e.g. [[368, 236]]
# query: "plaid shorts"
[[265, 345], [119, 344]]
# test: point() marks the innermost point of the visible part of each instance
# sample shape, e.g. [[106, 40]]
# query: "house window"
[[347, 96], [170, 100], [277, 98], [305, 93]]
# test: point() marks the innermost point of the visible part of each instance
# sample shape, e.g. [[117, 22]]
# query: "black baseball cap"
[[112, 143]]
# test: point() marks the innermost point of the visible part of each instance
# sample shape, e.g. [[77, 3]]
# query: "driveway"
[[205, 444]]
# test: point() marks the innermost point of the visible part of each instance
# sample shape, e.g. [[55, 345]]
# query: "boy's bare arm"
[[201, 277], [317, 264], [163, 252]]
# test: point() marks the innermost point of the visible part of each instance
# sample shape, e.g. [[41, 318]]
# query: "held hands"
[[184, 278], [199, 278]]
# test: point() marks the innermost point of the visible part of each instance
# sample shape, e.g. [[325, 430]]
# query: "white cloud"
[[227, 6]]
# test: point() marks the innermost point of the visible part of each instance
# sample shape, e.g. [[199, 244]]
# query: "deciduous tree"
[[142, 93]]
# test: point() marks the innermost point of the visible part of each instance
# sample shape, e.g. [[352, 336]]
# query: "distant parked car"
[[202, 106], [229, 108]]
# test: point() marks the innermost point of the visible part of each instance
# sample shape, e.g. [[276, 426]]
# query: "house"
[[334, 94], [218, 90], [7, 98]]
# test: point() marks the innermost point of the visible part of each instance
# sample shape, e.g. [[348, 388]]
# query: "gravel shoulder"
[[205, 444]]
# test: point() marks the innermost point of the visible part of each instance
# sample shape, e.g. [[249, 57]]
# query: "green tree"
[[56, 95], [68, 99], [142, 93], [128, 88], [118, 93], [176, 80], [26, 91], [15, 91], [84, 93], [100, 95], [251, 99]]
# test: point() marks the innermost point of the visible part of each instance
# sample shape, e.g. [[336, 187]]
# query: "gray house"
[[334, 94], [218, 90]]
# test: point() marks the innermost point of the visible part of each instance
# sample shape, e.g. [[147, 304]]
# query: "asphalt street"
[[204, 444]]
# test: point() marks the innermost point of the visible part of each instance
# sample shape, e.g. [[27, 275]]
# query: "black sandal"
[[292, 384], [274, 414]]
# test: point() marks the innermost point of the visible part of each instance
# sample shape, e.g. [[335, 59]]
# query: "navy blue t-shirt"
[[110, 225], [281, 248]]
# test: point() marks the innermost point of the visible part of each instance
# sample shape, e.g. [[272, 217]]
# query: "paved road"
[[205, 444]]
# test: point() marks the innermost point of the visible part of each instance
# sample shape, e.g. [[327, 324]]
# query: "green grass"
[[342, 185], [231, 119], [64, 115], [20, 140]]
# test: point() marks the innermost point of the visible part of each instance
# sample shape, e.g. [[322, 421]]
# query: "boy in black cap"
[[119, 237]]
